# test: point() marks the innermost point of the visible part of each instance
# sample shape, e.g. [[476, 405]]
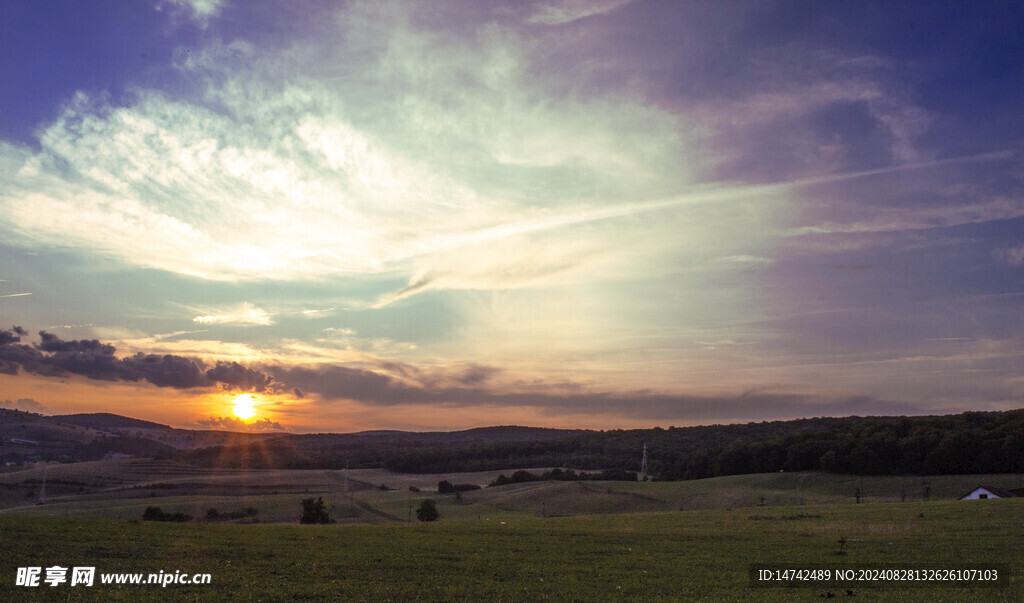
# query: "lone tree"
[[427, 511], [314, 511]]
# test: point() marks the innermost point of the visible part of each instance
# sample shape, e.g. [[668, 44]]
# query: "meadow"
[[124, 488], [687, 555], [528, 541]]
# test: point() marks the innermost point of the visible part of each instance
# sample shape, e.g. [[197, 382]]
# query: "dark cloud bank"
[[54, 357], [376, 389]]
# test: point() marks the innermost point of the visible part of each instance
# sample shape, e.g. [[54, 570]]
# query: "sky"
[[566, 213]]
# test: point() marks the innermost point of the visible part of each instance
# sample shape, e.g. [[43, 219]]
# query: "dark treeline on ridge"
[[568, 475], [971, 442]]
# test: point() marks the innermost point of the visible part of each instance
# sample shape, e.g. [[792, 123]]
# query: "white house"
[[987, 492]]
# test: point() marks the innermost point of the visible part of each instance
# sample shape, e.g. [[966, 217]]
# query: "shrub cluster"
[[567, 475], [446, 487], [214, 515], [314, 511], [155, 514]]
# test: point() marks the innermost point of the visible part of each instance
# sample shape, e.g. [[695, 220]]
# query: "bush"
[[427, 511], [314, 511], [215, 515], [155, 514]]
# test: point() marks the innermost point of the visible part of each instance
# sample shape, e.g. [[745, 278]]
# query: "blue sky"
[[603, 213]]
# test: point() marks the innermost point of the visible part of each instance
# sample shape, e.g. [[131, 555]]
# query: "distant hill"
[[499, 433], [26, 436], [965, 443], [516, 433], [971, 442], [30, 437], [107, 421]]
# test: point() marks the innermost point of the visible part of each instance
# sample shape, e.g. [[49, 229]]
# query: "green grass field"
[[528, 541], [123, 489], [703, 554]]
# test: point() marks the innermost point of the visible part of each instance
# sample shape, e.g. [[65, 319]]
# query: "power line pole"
[[42, 488]]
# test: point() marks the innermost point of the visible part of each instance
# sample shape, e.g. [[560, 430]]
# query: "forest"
[[970, 442]]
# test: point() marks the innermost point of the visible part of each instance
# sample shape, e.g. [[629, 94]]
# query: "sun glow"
[[244, 407]]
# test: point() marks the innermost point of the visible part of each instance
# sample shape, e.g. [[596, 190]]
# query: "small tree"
[[314, 511], [427, 511]]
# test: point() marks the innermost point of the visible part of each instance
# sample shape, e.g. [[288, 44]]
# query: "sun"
[[244, 407]]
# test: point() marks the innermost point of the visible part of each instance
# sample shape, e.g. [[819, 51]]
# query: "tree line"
[[971, 442]]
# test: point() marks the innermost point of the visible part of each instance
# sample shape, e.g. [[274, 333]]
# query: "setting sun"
[[244, 407]]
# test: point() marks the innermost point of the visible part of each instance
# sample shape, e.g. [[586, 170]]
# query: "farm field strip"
[[690, 555], [84, 490]]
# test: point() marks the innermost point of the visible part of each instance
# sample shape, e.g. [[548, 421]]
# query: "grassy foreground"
[[676, 555]]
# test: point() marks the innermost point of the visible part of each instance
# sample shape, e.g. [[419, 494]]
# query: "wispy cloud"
[[558, 12], [180, 186], [1013, 256], [198, 11], [240, 314]]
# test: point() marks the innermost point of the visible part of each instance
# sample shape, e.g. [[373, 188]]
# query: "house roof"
[[997, 491]]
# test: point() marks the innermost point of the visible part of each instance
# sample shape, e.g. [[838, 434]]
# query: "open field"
[[686, 555], [124, 488], [631, 540]]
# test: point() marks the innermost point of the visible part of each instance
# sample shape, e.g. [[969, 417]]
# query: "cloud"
[[559, 12], [375, 388], [179, 344], [903, 218], [263, 425], [90, 358], [318, 313], [237, 376], [199, 11], [1012, 256], [24, 404], [321, 188], [240, 314], [342, 180]]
